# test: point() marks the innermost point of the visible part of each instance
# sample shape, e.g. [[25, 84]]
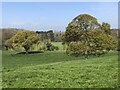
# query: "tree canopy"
[[78, 25], [86, 36], [23, 39]]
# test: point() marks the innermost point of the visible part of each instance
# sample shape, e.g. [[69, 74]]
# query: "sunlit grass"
[[56, 69]]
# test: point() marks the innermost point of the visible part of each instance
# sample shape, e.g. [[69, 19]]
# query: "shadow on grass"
[[10, 59], [30, 52]]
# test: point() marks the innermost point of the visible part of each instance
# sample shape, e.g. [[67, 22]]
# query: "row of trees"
[[52, 36], [45, 35], [85, 36]]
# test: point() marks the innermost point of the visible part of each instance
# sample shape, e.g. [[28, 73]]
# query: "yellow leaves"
[[24, 38], [75, 48], [97, 42], [8, 42]]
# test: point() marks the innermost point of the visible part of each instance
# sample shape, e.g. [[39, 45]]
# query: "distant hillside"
[[7, 33], [115, 32]]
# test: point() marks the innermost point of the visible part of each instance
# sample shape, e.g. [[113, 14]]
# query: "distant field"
[[59, 44], [57, 70]]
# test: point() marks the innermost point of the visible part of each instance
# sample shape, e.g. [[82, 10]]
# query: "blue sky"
[[56, 16]]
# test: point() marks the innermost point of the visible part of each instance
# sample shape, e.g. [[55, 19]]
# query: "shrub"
[[75, 48], [56, 47], [51, 47], [48, 45], [44, 48]]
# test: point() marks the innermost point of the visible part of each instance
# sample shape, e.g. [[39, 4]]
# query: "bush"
[[75, 48], [51, 47], [56, 48]]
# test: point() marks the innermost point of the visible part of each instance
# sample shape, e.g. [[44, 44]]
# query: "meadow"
[[55, 69]]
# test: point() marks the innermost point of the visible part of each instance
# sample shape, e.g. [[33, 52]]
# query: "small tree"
[[75, 48], [24, 39]]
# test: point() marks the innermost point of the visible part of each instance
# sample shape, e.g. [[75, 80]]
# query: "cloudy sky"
[[55, 16]]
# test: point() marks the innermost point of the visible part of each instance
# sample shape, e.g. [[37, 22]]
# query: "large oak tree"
[[86, 30]]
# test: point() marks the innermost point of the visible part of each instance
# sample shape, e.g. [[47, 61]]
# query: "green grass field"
[[59, 44], [57, 70]]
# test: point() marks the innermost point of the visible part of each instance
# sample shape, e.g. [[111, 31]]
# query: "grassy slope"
[[14, 61], [55, 69]]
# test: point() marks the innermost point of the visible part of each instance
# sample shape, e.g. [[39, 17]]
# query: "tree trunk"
[[26, 52], [26, 49]]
